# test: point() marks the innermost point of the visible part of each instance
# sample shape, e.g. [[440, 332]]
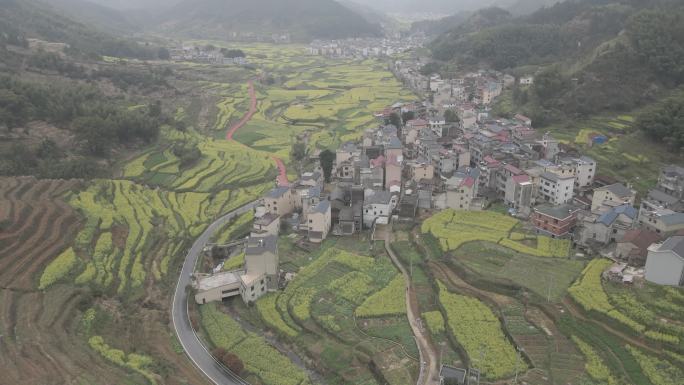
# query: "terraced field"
[[321, 310]]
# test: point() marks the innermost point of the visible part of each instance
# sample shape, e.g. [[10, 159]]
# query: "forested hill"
[[22, 19], [589, 56], [304, 20]]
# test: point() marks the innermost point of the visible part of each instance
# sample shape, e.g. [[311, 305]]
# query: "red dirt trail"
[[282, 170]]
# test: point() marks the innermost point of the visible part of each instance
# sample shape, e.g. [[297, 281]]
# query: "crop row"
[[479, 332], [353, 286], [659, 372], [136, 362], [595, 366], [390, 300], [260, 359]]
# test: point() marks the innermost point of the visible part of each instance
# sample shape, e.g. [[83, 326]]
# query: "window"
[[252, 288]]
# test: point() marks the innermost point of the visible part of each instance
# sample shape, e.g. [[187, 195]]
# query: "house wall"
[[392, 173], [255, 290], [320, 222], [419, 172], [218, 293], [460, 198], [664, 268], [272, 229], [584, 174], [553, 226], [266, 263], [557, 192], [601, 196], [372, 211], [280, 206]]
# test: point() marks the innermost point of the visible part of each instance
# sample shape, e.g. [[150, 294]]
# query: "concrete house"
[[461, 193], [671, 181], [665, 262], [280, 201], [261, 258], [319, 221], [615, 194], [377, 208], [599, 229], [519, 193], [554, 221], [633, 247], [267, 224], [556, 189], [421, 169], [393, 170], [662, 221]]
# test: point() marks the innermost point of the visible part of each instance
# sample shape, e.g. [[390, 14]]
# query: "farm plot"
[[456, 228], [221, 165], [625, 307], [659, 308], [548, 278], [322, 310], [479, 332], [132, 232]]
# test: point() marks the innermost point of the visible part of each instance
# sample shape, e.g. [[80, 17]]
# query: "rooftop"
[[322, 207], [277, 192], [555, 177], [380, 197], [221, 279], [265, 219], [619, 190], [556, 212], [610, 217], [260, 245], [660, 196], [674, 244]]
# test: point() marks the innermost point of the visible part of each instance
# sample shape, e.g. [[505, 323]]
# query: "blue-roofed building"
[[598, 229]]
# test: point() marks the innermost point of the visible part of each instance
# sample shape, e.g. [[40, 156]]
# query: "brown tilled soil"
[[42, 340]]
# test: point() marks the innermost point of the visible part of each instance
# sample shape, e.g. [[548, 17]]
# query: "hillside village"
[[450, 152]]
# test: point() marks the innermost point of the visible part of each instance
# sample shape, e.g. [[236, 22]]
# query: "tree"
[[665, 122], [327, 158], [450, 116], [230, 360], [395, 119], [408, 115], [298, 151]]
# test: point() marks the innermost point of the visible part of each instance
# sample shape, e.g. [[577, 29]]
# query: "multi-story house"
[[556, 189], [554, 221], [280, 201], [671, 181], [319, 221], [612, 194]]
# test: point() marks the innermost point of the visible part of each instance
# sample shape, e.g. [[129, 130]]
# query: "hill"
[[591, 56], [95, 15], [33, 19], [303, 20]]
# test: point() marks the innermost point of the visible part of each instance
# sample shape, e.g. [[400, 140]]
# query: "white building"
[[665, 262], [556, 189], [614, 194], [377, 208]]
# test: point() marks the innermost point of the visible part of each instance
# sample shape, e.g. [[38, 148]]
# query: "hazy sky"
[[388, 6]]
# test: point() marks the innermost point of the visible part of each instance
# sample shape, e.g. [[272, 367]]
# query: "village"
[[448, 152]]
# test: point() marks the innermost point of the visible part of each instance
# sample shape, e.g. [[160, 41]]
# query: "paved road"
[[430, 371], [181, 321]]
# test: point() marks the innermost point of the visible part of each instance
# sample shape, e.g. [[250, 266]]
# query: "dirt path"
[[282, 170], [429, 373], [248, 116]]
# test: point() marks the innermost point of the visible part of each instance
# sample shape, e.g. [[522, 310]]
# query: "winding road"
[[194, 349]]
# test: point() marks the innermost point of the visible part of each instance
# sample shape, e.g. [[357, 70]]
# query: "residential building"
[[665, 262], [614, 194], [461, 193], [555, 221], [377, 208], [267, 224], [520, 193], [556, 189], [421, 170], [217, 287], [633, 247], [671, 181], [524, 120], [393, 169], [319, 221], [527, 80], [346, 152], [280, 201], [662, 221], [261, 258], [599, 229]]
